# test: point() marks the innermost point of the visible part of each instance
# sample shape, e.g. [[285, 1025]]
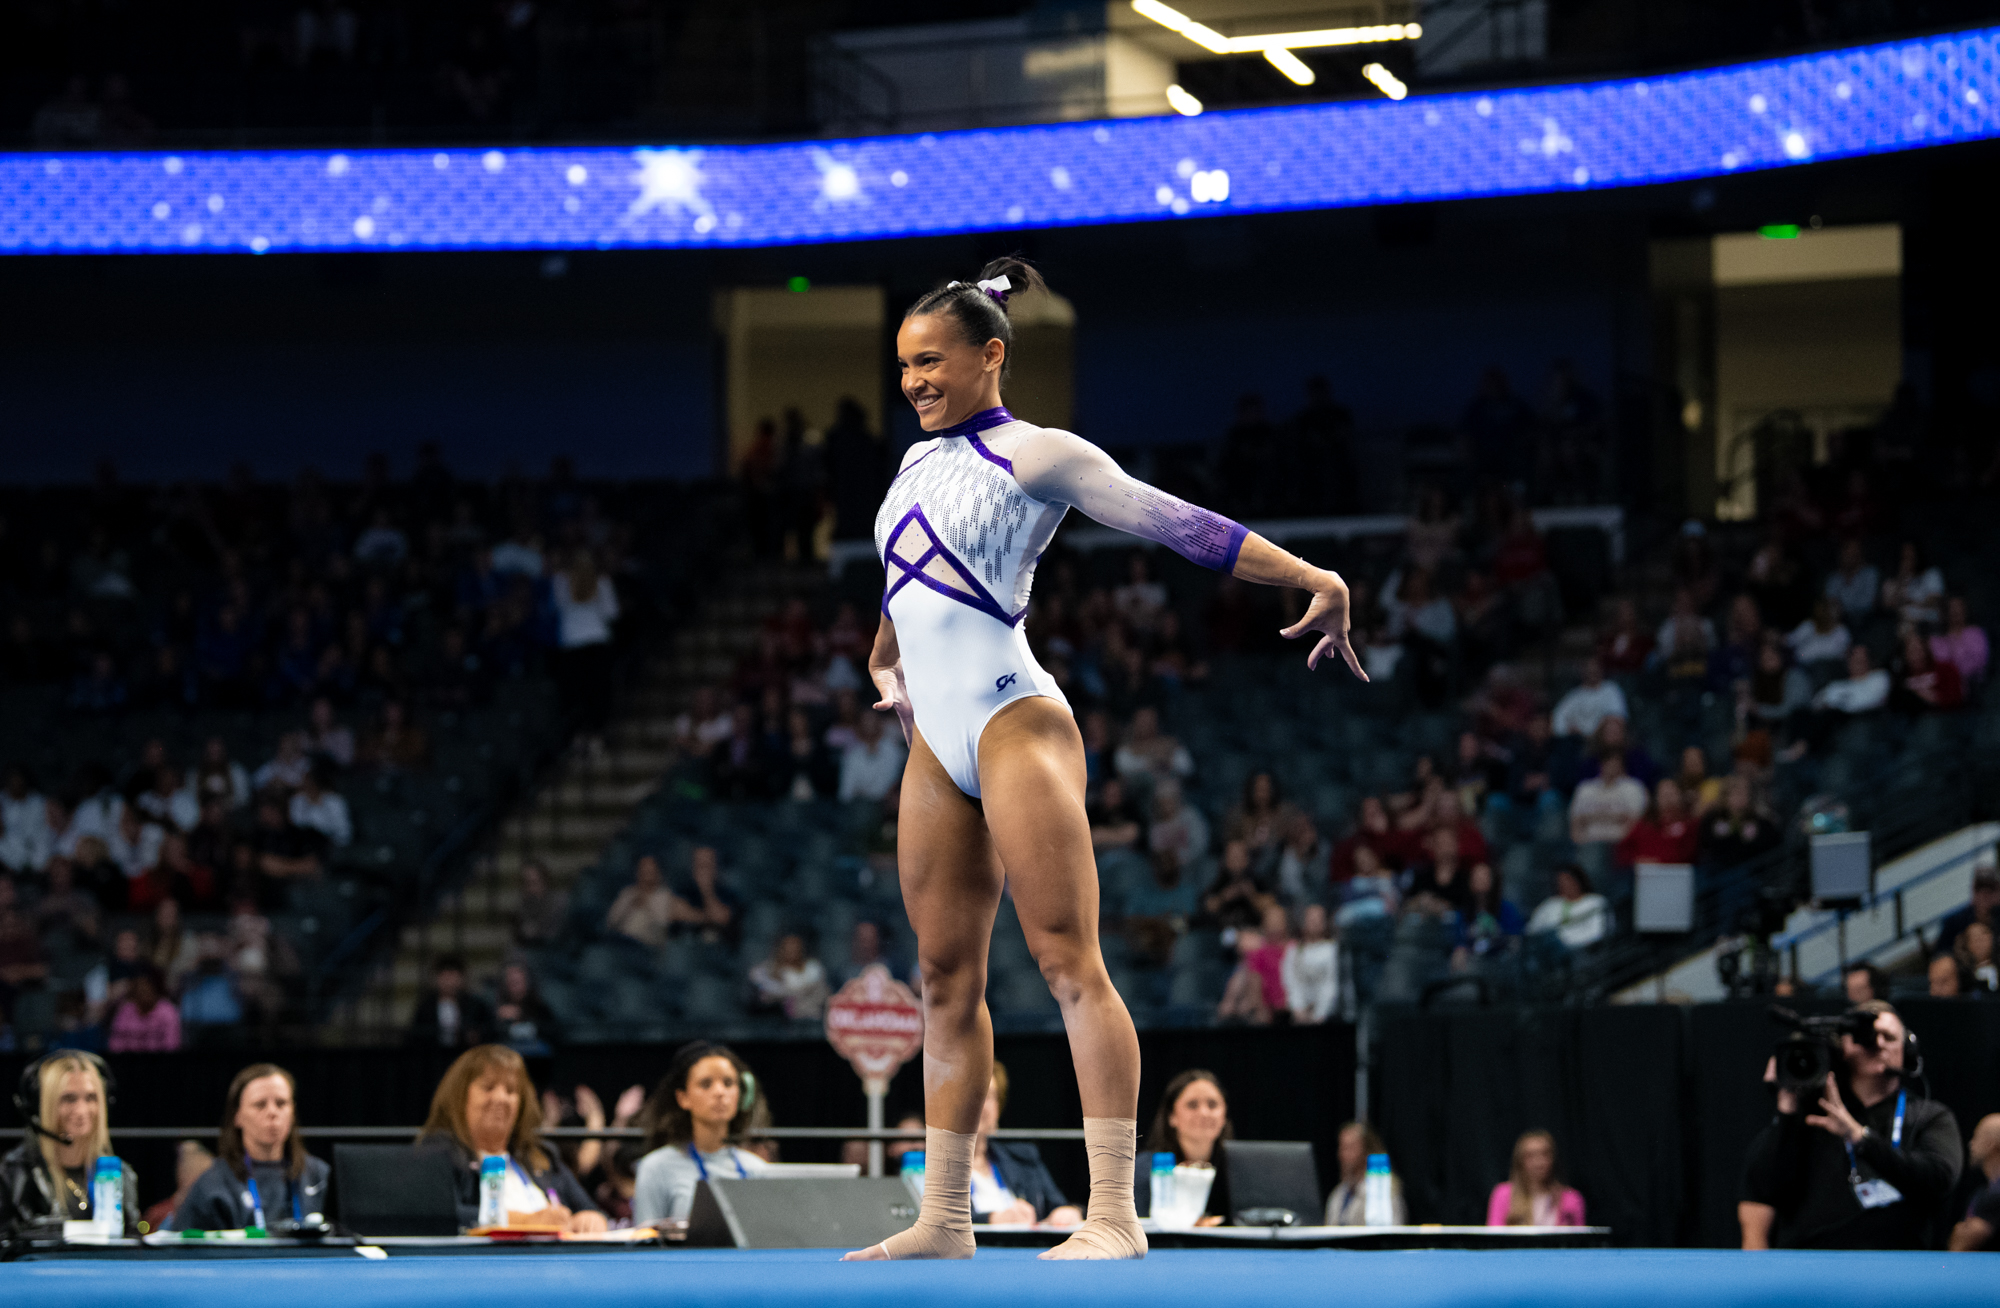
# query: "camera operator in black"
[[1868, 1170]]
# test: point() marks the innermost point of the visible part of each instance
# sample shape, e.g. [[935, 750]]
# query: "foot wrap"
[[944, 1222], [1111, 1229]]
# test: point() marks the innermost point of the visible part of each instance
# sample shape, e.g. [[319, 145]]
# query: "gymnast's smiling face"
[[946, 378]]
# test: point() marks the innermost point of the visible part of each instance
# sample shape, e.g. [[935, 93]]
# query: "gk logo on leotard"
[[1001, 683]]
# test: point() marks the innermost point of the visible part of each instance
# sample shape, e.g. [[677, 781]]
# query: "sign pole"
[[878, 1090]]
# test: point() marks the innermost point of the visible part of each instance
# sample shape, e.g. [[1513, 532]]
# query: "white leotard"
[[960, 532]]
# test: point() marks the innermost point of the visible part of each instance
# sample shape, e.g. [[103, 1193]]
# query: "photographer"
[[1867, 1166]]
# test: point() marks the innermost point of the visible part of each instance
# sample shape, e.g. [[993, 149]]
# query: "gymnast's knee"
[[1070, 964], [953, 988]]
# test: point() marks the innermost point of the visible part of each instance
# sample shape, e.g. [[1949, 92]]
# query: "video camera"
[[1812, 1049]]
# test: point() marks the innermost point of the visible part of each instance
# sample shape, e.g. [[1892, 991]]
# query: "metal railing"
[[409, 1133]]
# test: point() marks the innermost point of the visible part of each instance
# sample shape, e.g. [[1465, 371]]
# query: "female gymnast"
[[993, 792]]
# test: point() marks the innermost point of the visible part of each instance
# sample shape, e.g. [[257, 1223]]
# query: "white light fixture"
[[1290, 65], [1181, 102], [1216, 43], [1385, 81]]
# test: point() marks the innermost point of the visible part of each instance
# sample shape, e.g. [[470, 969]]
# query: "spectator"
[[1864, 983], [707, 1099], [486, 1107], [872, 764], [1347, 1204], [1605, 807], [175, 950], [705, 906], [1300, 861], [1946, 980], [522, 1019], [169, 802], [1976, 1229], [803, 770], [1739, 830], [1178, 828], [790, 981], [1311, 969], [65, 910], [327, 738], [1914, 591], [1668, 833], [395, 745], [1238, 897], [1438, 885], [1701, 791], [191, 1160], [1693, 563], [1820, 639], [644, 910], [133, 843], [1853, 584], [317, 807], [1926, 684], [1975, 955], [447, 1016], [1141, 600], [209, 996], [1243, 995], [1149, 754], [49, 1174], [1685, 640], [26, 841], [284, 853], [1625, 648], [146, 1023], [220, 777], [24, 964], [1864, 690], [1157, 909], [1371, 831], [382, 543], [586, 606], [1261, 819], [542, 916], [1579, 712], [262, 1175], [1960, 643], [1192, 1124], [864, 950], [706, 723], [1114, 819], [1984, 906], [286, 770], [1531, 1195], [1578, 916], [1010, 1183], [1489, 924]]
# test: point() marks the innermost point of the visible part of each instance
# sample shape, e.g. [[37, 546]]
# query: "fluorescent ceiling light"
[[1182, 102], [1387, 82], [1216, 43], [1290, 65]]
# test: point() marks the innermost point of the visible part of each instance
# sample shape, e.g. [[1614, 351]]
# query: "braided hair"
[[981, 315]]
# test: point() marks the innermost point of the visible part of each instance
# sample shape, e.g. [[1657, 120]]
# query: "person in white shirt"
[[1578, 916], [1178, 828], [1150, 752], [1311, 969], [134, 843], [1863, 690], [287, 769], [382, 543], [1578, 712], [26, 842], [586, 607], [96, 816], [873, 764], [519, 555], [1604, 808], [171, 801], [791, 980], [1822, 638], [318, 808]]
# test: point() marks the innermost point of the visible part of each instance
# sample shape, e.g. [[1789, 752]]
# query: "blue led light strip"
[[1866, 100]]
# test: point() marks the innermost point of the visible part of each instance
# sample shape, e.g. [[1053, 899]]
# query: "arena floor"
[[1013, 1278]]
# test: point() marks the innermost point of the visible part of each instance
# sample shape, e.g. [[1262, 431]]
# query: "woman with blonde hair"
[[486, 1107], [48, 1176], [1531, 1195]]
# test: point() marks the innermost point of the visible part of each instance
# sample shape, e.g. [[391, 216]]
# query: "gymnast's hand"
[[1328, 616], [885, 669]]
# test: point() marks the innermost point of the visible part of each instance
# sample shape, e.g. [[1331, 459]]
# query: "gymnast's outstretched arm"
[[1066, 469]]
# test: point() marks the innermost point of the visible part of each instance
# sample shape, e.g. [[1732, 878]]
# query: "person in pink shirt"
[[1532, 1196], [145, 1023], [1960, 643]]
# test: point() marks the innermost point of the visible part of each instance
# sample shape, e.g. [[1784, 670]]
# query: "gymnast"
[[993, 792]]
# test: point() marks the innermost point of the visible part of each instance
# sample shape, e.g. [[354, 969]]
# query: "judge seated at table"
[[1193, 1125], [486, 1107], [262, 1175], [705, 1103], [1010, 1183]]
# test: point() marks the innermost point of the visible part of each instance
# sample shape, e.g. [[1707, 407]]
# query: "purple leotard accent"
[[980, 598], [977, 422], [1005, 465], [1200, 537]]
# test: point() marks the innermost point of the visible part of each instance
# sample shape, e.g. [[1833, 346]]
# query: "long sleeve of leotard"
[[1067, 469]]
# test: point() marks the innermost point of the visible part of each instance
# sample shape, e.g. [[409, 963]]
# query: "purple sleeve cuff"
[[1238, 533]]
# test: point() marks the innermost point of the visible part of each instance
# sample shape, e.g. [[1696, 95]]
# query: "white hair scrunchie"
[[997, 287]]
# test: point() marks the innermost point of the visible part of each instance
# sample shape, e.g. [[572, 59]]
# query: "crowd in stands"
[[227, 671]]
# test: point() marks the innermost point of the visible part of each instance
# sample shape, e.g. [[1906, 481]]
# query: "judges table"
[[1255, 1277]]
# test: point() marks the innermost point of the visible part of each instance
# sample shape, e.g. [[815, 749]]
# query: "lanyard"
[[526, 1179], [1895, 1135], [257, 1204], [703, 1167]]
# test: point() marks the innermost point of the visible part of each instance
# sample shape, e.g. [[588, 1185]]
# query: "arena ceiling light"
[[1216, 43], [1290, 65], [1182, 101], [1385, 81]]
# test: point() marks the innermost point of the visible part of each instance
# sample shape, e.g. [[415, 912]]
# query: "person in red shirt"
[[1667, 834], [1928, 683], [1372, 829], [1626, 646]]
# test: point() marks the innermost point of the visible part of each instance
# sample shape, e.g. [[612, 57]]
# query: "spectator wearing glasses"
[[486, 1107], [262, 1175]]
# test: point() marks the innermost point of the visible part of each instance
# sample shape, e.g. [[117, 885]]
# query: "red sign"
[[875, 1023]]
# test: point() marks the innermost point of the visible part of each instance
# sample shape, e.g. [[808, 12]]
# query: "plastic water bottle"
[[493, 1190], [913, 1174], [107, 1197], [1162, 1208], [1378, 1198]]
